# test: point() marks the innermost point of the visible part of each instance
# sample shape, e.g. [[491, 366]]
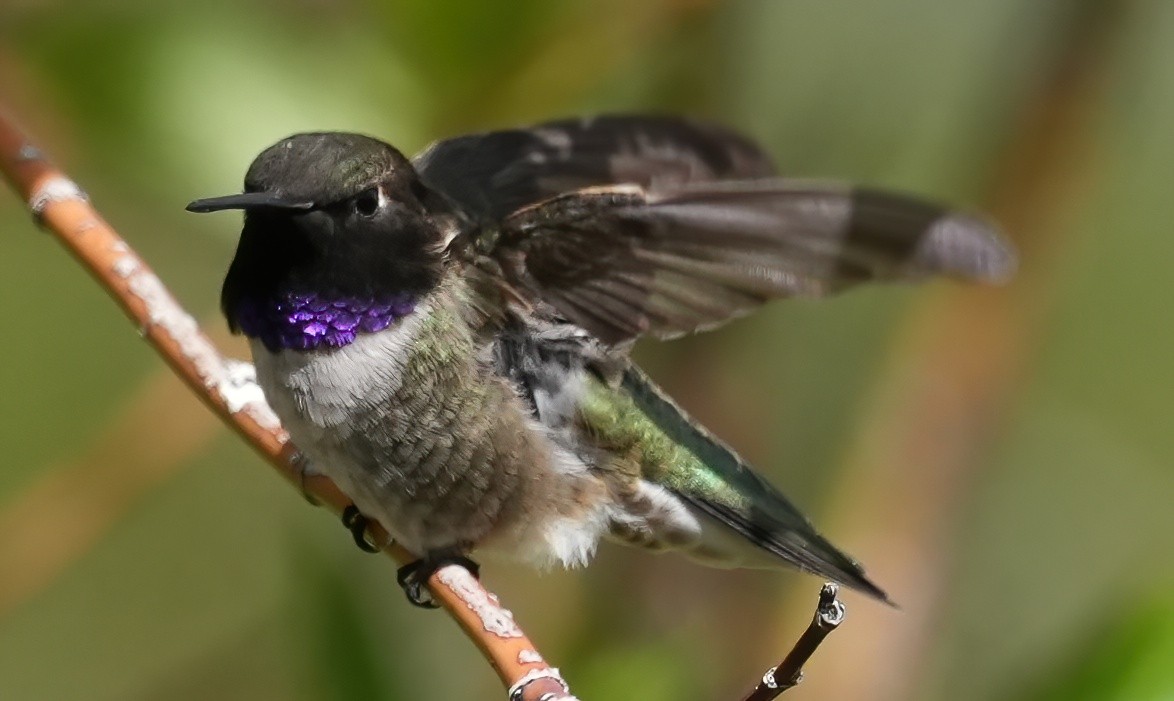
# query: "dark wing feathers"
[[622, 261], [492, 174], [629, 226], [745, 502], [657, 225]]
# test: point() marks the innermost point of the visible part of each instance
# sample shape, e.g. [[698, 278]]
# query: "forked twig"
[[829, 614], [227, 387]]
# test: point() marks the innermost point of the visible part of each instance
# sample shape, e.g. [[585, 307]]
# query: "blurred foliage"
[[1049, 560], [1125, 659]]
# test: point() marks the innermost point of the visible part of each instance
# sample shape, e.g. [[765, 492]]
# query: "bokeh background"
[[999, 458]]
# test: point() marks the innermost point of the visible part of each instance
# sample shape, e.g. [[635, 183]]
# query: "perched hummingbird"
[[447, 337]]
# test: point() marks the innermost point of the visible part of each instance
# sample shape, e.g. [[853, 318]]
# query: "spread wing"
[[628, 260], [491, 175]]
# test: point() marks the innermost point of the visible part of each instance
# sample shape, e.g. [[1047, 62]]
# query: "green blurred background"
[[999, 458]]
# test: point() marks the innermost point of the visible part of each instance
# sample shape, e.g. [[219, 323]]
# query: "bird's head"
[[333, 217]]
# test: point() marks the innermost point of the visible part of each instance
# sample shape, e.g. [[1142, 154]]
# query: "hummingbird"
[[448, 337]]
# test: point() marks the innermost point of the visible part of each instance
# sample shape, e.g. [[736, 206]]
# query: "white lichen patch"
[[165, 313], [517, 691], [124, 266], [529, 656], [55, 189], [234, 382], [494, 618], [240, 392], [28, 152]]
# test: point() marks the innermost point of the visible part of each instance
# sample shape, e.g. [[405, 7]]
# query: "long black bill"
[[246, 200]]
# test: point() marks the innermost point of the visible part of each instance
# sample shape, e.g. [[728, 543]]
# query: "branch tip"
[[829, 614], [830, 611]]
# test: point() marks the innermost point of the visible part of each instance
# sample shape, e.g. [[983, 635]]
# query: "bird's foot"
[[356, 523], [414, 576]]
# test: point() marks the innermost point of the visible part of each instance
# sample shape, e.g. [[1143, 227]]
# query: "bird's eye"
[[367, 202]]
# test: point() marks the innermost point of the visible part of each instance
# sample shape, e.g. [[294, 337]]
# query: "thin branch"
[[829, 614], [227, 387]]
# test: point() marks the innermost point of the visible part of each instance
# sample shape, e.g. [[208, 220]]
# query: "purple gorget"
[[305, 321]]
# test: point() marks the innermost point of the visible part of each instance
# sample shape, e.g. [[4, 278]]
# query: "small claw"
[[413, 577], [409, 580], [356, 523]]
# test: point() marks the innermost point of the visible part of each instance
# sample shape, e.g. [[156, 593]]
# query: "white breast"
[[324, 390]]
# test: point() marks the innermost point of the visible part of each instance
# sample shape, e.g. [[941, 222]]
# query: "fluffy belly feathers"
[[442, 453]]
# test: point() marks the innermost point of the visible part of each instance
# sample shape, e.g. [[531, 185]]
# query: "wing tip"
[[969, 246], [861, 583], [822, 558], [839, 567]]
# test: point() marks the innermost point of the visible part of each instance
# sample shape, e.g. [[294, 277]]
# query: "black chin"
[[332, 253]]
